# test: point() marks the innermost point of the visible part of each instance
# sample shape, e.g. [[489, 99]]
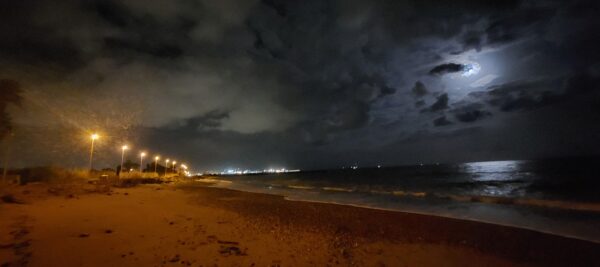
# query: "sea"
[[557, 196]]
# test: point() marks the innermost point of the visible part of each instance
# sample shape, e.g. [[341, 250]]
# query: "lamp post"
[[142, 155], [123, 148], [184, 167], [174, 166], [166, 166], [156, 162], [93, 137]]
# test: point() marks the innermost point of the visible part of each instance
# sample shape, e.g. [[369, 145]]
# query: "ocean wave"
[[302, 187], [338, 189], [532, 202], [473, 198], [212, 181], [411, 194], [380, 192], [544, 203]]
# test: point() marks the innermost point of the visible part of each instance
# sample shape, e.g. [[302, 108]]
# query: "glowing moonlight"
[[470, 69]]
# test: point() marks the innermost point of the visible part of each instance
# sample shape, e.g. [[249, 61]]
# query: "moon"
[[470, 69]]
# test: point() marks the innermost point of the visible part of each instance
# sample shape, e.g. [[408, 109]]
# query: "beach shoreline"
[[569, 219], [195, 225]]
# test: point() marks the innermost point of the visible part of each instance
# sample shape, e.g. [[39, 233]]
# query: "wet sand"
[[191, 225]]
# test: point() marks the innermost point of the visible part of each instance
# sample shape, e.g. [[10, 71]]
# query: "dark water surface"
[[560, 196]]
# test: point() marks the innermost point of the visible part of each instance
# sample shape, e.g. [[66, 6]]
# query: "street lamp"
[[166, 166], [156, 162], [142, 155], [184, 167], [123, 148], [174, 166], [93, 137]]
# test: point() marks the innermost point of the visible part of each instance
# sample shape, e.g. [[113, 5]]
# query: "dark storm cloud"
[[141, 34], [509, 27], [525, 95], [419, 103], [289, 80], [158, 50], [471, 113], [447, 68], [419, 89], [441, 103], [522, 102], [515, 25], [582, 83], [386, 90], [112, 13], [441, 121], [472, 40], [209, 121], [425, 22], [23, 40]]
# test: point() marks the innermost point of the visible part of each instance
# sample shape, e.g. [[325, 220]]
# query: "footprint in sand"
[[20, 243]]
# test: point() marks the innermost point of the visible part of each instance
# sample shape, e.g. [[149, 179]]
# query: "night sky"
[[302, 84]]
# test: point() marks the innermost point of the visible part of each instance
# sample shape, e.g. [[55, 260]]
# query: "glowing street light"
[[174, 165], [166, 166], [93, 137], [156, 162], [142, 155], [123, 148], [184, 167]]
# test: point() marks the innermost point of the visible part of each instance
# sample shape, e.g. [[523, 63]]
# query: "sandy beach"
[[186, 224]]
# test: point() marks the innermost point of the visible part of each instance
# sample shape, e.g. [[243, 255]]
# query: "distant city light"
[[235, 171]]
